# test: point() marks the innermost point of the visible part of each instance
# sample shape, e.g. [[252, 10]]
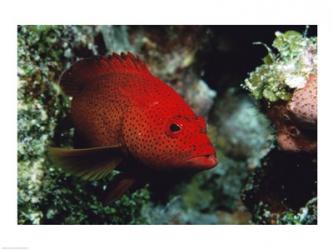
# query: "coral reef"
[[244, 132], [287, 86], [273, 187], [303, 104], [45, 194], [255, 182], [306, 215], [292, 136], [211, 197], [288, 69]]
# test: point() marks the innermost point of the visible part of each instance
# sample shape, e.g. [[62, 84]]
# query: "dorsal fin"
[[86, 70]]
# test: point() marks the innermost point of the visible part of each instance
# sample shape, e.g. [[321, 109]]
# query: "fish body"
[[119, 105]]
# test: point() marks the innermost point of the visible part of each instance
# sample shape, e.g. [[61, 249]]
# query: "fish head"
[[168, 140], [188, 134]]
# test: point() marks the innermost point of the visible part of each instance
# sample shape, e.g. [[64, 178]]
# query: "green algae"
[[306, 215], [284, 69]]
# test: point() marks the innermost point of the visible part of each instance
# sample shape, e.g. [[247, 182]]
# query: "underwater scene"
[[167, 124]]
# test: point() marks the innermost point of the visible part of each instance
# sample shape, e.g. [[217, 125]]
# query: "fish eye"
[[174, 127]]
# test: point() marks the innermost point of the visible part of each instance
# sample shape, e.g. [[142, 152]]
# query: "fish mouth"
[[205, 161]]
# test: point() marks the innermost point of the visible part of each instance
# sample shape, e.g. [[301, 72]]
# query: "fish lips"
[[205, 161]]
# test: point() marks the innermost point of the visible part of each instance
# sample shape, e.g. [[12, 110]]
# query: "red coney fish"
[[130, 120]]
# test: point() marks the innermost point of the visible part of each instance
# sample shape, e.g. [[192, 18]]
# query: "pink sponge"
[[296, 120], [303, 105]]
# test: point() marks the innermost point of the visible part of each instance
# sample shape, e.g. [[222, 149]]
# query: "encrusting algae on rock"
[[286, 70], [287, 85]]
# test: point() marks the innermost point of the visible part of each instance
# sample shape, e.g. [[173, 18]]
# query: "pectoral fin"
[[88, 163], [119, 186]]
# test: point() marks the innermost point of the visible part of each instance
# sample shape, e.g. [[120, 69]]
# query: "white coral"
[[295, 81]]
